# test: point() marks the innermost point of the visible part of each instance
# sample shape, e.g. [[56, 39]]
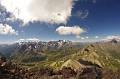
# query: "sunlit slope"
[[106, 55], [102, 54]]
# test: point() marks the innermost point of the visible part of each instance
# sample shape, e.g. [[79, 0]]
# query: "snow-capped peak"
[[28, 40]]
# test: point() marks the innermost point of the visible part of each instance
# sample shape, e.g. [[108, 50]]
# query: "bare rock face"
[[89, 73], [114, 41], [2, 60], [9, 70], [67, 72]]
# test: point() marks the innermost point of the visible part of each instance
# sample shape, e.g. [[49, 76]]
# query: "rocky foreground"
[[9, 70]]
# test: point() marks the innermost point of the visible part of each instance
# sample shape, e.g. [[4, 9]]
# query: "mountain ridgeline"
[[63, 56]]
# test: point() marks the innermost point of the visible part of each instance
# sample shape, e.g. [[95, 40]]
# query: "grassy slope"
[[106, 55]]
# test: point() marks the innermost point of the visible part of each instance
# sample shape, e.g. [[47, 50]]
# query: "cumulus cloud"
[[5, 16], [67, 30], [7, 30], [55, 11]]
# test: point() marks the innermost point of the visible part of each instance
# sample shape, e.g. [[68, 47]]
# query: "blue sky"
[[97, 17]]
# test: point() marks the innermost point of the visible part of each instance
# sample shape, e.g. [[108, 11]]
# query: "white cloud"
[[86, 37], [83, 14], [66, 30], [82, 38], [55, 11], [7, 29]]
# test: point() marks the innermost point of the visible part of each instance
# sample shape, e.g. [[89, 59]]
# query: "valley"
[[64, 59]]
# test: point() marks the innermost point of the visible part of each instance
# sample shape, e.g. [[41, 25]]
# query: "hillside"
[[106, 55], [69, 59], [103, 54], [55, 53]]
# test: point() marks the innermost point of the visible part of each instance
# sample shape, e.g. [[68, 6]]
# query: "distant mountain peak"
[[112, 39], [27, 40]]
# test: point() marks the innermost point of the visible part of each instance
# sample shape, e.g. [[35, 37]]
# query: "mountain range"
[[105, 54]]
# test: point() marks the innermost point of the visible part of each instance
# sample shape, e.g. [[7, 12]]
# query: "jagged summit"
[[22, 41]]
